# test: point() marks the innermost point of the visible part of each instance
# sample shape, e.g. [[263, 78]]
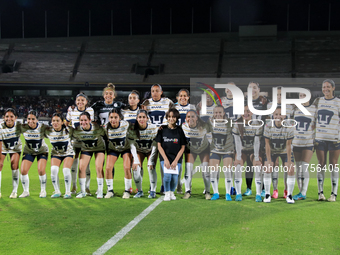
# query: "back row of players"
[[130, 131]]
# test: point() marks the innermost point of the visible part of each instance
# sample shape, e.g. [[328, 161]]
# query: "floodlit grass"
[[80, 226]]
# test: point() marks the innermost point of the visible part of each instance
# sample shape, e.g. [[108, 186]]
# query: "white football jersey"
[[278, 137], [73, 116], [197, 140], [327, 123], [34, 139], [249, 133], [303, 132], [118, 137], [130, 115], [222, 139], [147, 138], [157, 110], [10, 138], [60, 141]]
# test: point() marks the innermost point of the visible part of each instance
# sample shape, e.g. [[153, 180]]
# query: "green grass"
[[80, 226]]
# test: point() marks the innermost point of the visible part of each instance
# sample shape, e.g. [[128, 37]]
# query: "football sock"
[[267, 181], [74, 171], [258, 180], [206, 176], [305, 177], [228, 181], [138, 178], [214, 182], [15, 180], [54, 178], [335, 180], [153, 179], [109, 184], [275, 178], [128, 184], [25, 181], [100, 183], [68, 179], [187, 176], [42, 179], [238, 179], [290, 184], [321, 177], [82, 184], [88, 176]]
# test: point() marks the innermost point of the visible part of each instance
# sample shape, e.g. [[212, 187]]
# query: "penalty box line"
[[115, 239]]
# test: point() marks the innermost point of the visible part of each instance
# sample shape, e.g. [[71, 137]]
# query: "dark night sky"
[[243, 12]]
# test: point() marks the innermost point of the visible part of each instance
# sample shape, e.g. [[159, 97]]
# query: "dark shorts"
[[283, 157], [220, 156], [327, 145], [90, 153], [31, 158], [62, 158], [116, 153], [300, 149]]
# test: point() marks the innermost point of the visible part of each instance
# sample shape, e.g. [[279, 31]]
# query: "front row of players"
[[135, 142]]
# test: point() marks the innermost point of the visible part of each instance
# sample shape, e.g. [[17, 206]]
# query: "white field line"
[[115, 239]]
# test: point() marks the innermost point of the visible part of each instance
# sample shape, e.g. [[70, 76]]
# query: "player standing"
[[62, 151], [118, 144], [10, 143], [72, 118], [35, 147], [92, 142], [327, 137], [144, 146], [247, 145], [303, 144], [195, 131]]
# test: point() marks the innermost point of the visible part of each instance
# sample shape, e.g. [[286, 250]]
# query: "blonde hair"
[[110, 86]]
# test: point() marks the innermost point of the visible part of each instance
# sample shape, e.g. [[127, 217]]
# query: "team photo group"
[[180, 135]]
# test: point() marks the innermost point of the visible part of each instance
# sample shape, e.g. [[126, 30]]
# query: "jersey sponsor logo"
[[10, 134], [192, 134], [59, 138], [324, 117], [87, 136], [33, 136]]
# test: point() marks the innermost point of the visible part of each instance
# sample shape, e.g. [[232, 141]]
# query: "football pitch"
[[35, 225]]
